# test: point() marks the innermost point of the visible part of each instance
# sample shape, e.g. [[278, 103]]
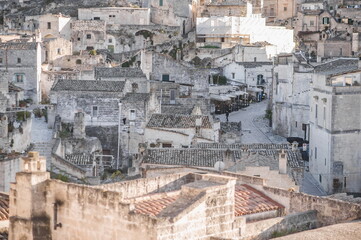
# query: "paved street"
[[255, 127]]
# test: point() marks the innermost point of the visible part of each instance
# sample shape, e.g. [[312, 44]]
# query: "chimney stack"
[[282, 162]]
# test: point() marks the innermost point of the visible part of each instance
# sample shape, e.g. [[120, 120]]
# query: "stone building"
[[116, 15], [99, 100], [275, 10], [88, 35], [49, 25], [161, 67], [335, 138], [174, 13], [22, 62], [252, 74], [136, 81], [222, 8], [178, 131], [9, 166], [178, 206], [290, 96]]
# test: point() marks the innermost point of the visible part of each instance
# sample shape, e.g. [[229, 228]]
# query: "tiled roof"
[[155, 204], [4, 206], [185, 157], [88, 85], [254, 64], [79, 159], [341, 65], [115, 72], [135, 97], [238, 146], [177, 121], [18, 46], [177, 109], [245, 156], [249, 200], [227, 127]]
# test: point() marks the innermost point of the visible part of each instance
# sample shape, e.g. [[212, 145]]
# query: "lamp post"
[[119, 120]]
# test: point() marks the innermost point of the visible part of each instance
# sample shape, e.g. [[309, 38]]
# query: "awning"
[[221, 98], [239, 93], [254, 89]]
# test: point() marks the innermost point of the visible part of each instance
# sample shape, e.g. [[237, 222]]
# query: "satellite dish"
[[219, 166]]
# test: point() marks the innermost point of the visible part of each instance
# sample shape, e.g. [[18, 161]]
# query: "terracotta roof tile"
[[154, 205], [249, 200], [4, 206]]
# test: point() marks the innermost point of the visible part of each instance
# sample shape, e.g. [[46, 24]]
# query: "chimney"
[[294, 146], [282, 162], [179, 55]]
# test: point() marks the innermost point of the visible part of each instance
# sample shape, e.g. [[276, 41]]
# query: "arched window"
[[78, 61]]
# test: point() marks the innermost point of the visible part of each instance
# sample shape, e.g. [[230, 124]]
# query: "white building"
[[116, 15], [290, 97], [335, 120], [233, 30]]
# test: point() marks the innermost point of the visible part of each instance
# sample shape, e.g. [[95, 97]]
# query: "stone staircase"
[[44, 149]]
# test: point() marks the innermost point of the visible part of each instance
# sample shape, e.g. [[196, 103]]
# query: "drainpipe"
[[119, 118]]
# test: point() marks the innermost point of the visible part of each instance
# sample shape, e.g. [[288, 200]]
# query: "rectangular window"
[[160, 3], [96, 18], [233, 75], [172, 96], [88, 36], [316, 110], [325, 20], [165, 77], [59, 51], [320, 178], [312, 23], [19, 60], [166, 145], [324, 116], [49, 25], [344, 182], [95, 111], [132, 114], [1, 60], [315, 152], [110, 40], [285, 9], [19, 78], [296, 124]]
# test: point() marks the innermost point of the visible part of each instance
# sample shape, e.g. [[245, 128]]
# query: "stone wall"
[[264, 229], [8, 170], [68, 103], [21, 135], [330, 211]]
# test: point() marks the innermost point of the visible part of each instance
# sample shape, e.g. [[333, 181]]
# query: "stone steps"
[[44, 149]]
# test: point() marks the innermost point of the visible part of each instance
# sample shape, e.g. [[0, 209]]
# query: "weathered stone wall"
[[8, 170], [29, 68], [143, 186], [330, 211], [180, 73], [261, 230], [68, 103], [108, 136]]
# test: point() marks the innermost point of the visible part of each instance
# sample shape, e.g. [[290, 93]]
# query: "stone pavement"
[[255, 127]]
